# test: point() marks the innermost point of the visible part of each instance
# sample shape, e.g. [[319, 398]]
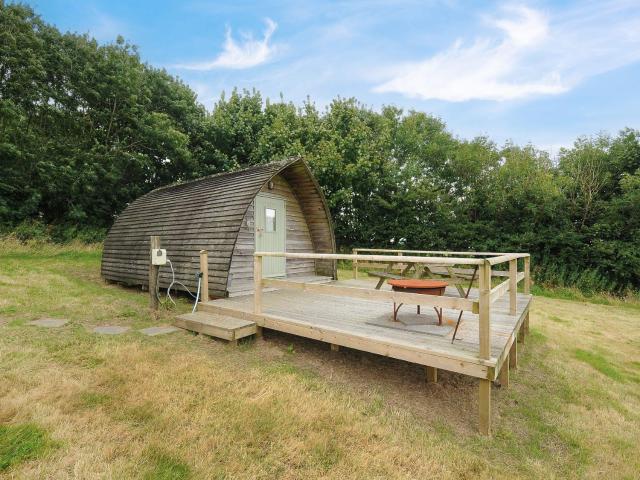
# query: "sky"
[[541, 72]]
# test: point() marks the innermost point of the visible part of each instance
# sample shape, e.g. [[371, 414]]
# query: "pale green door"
[[271, 233]]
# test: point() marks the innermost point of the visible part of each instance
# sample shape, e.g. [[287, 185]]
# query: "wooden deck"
[[347, 322]]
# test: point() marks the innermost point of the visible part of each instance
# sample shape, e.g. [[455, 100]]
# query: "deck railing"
[[481, 306], [384, 251]]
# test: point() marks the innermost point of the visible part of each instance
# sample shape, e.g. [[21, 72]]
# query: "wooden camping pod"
[[216, 213]]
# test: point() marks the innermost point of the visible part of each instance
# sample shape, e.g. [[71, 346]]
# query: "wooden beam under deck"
[[484, 407]]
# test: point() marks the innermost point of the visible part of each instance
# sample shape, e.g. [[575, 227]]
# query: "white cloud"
[[239, 55], [532, 54]]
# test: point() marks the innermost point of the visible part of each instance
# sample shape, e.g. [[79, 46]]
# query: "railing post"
[[527, 275], [484, 285], [484, 392], [354, 263], [257, 284], [527, 287], [204, 268], [513, 286]]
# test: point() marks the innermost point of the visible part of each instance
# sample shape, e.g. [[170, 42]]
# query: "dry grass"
[[182, 406]]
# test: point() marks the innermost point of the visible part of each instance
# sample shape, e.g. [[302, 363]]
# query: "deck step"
[[215, 325]]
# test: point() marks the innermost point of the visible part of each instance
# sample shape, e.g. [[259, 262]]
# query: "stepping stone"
[[49, 322], [153, 331], [110, 330]]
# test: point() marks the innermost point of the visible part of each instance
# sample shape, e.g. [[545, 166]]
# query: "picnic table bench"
[[384, 276], [420, 270]]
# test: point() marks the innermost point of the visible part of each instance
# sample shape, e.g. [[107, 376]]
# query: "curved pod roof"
[[205, 214]]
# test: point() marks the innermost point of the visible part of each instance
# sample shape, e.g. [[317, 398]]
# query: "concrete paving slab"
[[110, 330], [153, 331], [49, 322]]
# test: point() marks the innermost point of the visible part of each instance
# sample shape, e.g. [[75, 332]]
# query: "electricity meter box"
[[159, 256]]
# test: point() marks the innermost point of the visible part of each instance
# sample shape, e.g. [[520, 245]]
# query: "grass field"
[[77, 405]]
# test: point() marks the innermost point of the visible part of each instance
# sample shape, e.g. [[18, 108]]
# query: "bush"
[[35, 232], [66, 234], [587, 281], [30, 230]]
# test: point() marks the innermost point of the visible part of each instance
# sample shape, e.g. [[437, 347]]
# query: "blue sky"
[[533, 71]]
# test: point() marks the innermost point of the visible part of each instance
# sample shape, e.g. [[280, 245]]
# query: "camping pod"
[[270, 207]]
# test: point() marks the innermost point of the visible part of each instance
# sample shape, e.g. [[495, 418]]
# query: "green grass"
[[94, 399], [631, 301], [20, 443], [326, 453], [166, 467], [600, 363]]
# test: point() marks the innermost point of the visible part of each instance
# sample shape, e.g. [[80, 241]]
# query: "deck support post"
[[259, 333], [484, 406], [204, 269], [354, 263], [526, 323], [153, 273], [432, 374], [335, 348], [513, 355], [504, 373], [257, 284], [513, 286], [521, 333]]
